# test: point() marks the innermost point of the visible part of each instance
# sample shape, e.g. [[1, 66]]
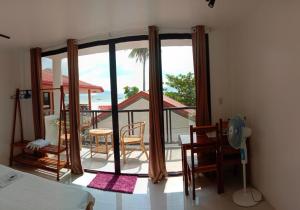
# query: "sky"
[[94, 68]]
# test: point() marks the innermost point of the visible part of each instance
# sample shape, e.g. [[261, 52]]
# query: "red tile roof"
[[47, 82], [167, 103], [105, 107]]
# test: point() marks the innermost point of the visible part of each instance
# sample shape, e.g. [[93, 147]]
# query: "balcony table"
[[98, 133]]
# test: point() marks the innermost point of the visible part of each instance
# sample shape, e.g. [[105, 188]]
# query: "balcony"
[[176, 121]]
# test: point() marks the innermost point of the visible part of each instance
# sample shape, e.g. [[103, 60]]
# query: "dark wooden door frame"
[[114, 106]]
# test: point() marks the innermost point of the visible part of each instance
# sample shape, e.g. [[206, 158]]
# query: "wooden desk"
[[185, 143], [98, 133]]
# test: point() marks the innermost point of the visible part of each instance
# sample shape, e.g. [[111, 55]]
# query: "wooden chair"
[[203, 144], [132, 134]]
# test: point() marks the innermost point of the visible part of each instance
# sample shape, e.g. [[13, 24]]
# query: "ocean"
[[100, 99]]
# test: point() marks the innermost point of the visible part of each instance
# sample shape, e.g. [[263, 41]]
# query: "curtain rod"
[[123, 33]]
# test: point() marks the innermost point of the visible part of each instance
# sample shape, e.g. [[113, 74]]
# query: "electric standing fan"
[[237, 136]]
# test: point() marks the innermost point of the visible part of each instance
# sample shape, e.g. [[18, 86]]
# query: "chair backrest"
[[205, 142], [141, 127], [131, 129], [85, 118], [223, 128]]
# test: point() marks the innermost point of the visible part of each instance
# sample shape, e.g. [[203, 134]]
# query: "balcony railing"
[[176, 120]]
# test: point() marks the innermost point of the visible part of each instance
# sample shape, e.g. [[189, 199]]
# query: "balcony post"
[[89, 99], [167, 124], [132, 121], [170, 126]]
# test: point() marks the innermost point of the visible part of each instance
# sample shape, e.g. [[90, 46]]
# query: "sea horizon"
[[100, 99]]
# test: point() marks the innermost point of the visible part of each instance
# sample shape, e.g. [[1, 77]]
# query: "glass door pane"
[[179, 96], [54, 74], [133, 105], [95, 108]]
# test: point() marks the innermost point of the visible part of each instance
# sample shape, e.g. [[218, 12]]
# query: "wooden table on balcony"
[[100, 148]]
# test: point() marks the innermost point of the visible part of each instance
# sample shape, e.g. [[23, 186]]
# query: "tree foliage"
[[130, 91], [141, 55], [184, 88]]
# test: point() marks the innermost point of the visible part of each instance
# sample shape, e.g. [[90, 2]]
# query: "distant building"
[[47, 85], [180, 118]]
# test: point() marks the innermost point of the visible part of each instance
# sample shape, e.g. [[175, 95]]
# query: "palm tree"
[[141, 55]]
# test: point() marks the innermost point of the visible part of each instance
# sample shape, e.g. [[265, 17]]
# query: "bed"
[[27, 192]]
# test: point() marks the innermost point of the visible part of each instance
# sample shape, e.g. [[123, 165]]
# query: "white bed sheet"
[[30, 192]]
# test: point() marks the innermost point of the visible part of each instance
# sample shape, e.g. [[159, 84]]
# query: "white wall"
[[220, 87], [9, 81], [25, 83], [265, 66]]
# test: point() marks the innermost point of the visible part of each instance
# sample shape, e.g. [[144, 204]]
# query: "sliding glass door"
[[114, 98], [95, 109], [178, 96], [133, 105], [128, 64]]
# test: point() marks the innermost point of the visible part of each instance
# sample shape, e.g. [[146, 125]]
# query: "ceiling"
[[48, 23]]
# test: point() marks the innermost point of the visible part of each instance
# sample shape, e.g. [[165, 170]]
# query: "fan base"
[[247, 198]]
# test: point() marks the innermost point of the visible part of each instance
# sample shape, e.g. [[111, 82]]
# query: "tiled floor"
[[167, 195]]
